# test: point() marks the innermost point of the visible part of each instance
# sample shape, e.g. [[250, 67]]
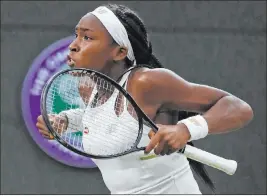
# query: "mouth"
[[70, 62]]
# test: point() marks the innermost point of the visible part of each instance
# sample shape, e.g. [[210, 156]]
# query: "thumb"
[[151, 133], [153, 143]]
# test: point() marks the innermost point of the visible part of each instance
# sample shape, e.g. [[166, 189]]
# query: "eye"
[[87, 38]]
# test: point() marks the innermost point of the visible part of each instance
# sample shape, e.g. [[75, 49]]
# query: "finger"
[[176, 146], [44, 132], [46, 137], [152, 131], [165, 150], [170, 151], [40, 119], [171, 143], [151, 134], [153, 142], [166, 140], [41, 126], [160, 147], [51, 137]]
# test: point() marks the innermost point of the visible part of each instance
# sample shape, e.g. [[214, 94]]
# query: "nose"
[[74, 46]]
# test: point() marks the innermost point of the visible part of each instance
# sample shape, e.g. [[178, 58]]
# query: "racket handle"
[[225, 165]]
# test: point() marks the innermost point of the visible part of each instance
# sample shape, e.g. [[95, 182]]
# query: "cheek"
[[94, 55], [85, 53]]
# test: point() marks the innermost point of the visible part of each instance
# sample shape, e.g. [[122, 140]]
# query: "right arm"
[[73, 119], [66, 121], [74, 116]]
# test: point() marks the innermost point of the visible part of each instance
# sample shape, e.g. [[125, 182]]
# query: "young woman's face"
[[93, 47]]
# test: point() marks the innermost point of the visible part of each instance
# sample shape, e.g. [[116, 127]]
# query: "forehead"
[[92, 23]]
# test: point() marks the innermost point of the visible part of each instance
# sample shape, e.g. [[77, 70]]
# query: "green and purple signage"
[[51, 60]]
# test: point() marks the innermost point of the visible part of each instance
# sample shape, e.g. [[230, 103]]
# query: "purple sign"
[[51, 60]]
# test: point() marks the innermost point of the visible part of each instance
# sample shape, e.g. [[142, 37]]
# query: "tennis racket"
[[76, 100]]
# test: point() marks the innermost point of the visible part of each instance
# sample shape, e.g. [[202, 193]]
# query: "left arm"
[[227, 114], [222, 111]]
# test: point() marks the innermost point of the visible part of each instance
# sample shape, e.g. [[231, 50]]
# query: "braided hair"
[[137, 35], [142, 48]]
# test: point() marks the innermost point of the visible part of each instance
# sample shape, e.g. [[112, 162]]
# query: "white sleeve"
[[74, 117]]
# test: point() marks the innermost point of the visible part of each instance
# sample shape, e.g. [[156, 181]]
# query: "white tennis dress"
[[169, 174]]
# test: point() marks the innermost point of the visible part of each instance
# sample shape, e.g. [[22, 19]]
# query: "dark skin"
[[94, 48]]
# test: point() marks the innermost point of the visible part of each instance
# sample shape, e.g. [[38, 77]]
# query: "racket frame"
[[140, 114]]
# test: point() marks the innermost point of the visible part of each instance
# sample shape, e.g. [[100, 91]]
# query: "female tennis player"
[[113, 39]]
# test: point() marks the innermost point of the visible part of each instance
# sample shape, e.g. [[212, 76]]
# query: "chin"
[[79, 66], [72, 66]]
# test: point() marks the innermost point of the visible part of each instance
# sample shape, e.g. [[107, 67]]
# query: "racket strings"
[[127, 125], [106, 89], [97, 102], [119, 140]]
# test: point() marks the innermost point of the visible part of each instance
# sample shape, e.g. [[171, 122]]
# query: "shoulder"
[[156, 84], [157, 78], [164, 87]]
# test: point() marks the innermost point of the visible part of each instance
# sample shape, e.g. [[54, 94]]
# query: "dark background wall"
[[222, 44]]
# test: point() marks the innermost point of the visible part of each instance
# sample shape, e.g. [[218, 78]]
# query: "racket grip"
[[225, 165]]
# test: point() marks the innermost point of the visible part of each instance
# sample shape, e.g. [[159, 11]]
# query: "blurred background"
[[218, 43]]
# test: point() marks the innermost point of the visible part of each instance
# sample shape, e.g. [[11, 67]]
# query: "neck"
[[114, 71]]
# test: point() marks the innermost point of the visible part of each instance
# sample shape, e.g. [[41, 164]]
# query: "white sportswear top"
[[170, 174]]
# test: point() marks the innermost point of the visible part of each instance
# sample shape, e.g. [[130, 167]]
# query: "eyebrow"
[[83, 29]]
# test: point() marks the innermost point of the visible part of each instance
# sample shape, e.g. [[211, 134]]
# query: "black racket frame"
[[141, 115]]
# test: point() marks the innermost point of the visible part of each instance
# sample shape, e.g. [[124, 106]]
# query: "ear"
[[120, 53]]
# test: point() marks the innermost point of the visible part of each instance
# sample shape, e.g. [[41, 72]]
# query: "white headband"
[[115, 29]]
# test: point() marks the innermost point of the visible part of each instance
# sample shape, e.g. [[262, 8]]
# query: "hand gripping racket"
[[92, 115]]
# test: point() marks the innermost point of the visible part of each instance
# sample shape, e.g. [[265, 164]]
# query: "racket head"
[[47, 102]]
